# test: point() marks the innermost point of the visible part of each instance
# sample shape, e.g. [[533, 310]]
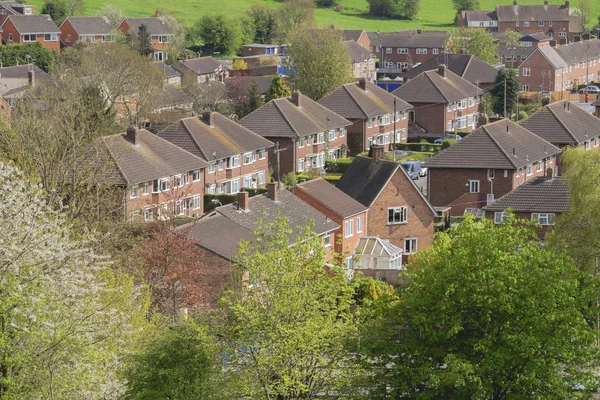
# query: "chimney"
[[242, 200], [419, 31], [549, 173], [273, 190], [208, 118], [377, 151], [442, 70], [362, 83], [553, 43], [133, 134], [515, 3], [545, 2], [31, 77], [296, 99], [567, 4]]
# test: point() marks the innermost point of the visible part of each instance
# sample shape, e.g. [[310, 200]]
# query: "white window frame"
[[526, 71], [133, 192], [52, 37], [349, 228], [422, 50], [262, 154], [529, 170], [402, 50], [499, 217], [388, 50], [301, 165], [435, 51], [248, 158], [399, 215], [411, 245], [474, 186], [196, 202], [27, 38], [166, 182], [261, 177], [544, 219], [359, 227], [327, 240]]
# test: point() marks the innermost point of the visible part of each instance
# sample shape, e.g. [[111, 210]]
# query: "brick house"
[[20, 77], [237, 157], [8, 8], [363, 61], [539, 200], [468, 67], [560, 68], [31, 28], [170, 75], [512, 57], [200, 70], [218, 234], [552, 20], [161, 35], [307, 133], [443, 101], [349, 214], [359, 36], [370, 109], [157, 179], [535, 40], [397, 210], [86, 30], [487, 164]]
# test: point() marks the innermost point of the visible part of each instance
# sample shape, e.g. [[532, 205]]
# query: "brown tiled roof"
[[90, 25], [283, 118], [33, 24], [155, 25], [431, 87], [563, 123], [166, 70], [356, 52], [491, 146], [538, 195], [11, 5], [577, 52], [224, 139], [152, 158], [507, 51], [466, 66], [22, 71], [217, 234], [331, 197], [352, 102], [202, 65], [532, 13], [349, 34], [173, 96]]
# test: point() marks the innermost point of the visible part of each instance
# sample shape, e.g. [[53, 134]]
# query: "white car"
[[591, 89], [423, 171]]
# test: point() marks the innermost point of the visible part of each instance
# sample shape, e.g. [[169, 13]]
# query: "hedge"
[[419, 147], [227, 198], [339, 165], [333, 179]]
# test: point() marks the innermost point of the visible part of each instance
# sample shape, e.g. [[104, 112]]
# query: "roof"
[[167, 70], [431, 87], [523, 51], [532, 13], [152, 158], [374, 246], [202, 65], [351, 34], [535, 37], [491, 146], [596, 103], [263, 82], [552, 56], [22, 72], [466, 66], [412, 39], [283, 118], [90, 25], [33, 23], [352, 101], [224, 139], [218, 234], [356, 52], [331, 197], [480, 15], [173, 96], [538, 195], [563, 123], [577, 52], [155, 25], [11, 5]]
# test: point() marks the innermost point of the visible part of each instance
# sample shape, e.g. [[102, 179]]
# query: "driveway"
[[422, 184], [587, 107]]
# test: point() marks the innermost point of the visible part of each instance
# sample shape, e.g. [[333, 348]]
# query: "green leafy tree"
[[489, 313], [510, 38], [264, 20], [584, 10], [278, 89], [289, 318], [512, 91], [26, 53], [144, 41], [57, 9], [219, 34], [320, 61], [294, 15], [464, 5], [477, 42], [254, 98], [400, 9], [327, 3], [75, 7]]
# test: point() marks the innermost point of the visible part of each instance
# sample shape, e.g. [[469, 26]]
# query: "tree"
[[207, 96], [294, 15], [177, 46], [220, 34], [510, 38], [264, 20], [240, 64], [57, 9], [464, 5], [490, 313], [143, 44], [400, 9], [584, 10], [327, 3], [512, 91], [238, 90], [278, 89], [114, 15], [476, 42], [288, 318], [320, 61], [254, 98], [26, 53], [75, 7], [67, 319]]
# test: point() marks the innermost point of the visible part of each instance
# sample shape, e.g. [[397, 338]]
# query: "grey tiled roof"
[[535, 37], [431, 87], [11, 5], [552, 56], [202, 65], [524, 51], [22, 71], [356, 52], [562, 123], [152, 158], [173, 96], [217, 234], [331, 197], [226, 138], [577, 52], [466, 66], [33, 23], [491, 146], [167, 70], [90, 25], [539, 195], [349, 34], [352, 102], [480, 15], [155, 25], [283, 118], [532, 13]]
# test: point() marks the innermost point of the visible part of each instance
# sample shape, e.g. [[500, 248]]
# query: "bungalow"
[[86, 30], [170, 74], [161, 34], [31, 28], [200, 70]]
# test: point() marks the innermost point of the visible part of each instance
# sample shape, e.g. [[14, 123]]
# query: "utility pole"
[[277, 151], [504, 98], [395, 118]]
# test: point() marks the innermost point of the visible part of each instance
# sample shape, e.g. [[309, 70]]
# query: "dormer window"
[[28, 11]]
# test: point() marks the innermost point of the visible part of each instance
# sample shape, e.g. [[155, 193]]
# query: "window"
[[50, 37], [499, 217], [211, 170], [2, 11], [397, 215], [526, 23], [148, 214], [348, 262], [327, 240], [402, 65], [403, 114], [506, 173], [410, 245], [388, 50], [529, 169], [177, 181], [595, 142], [133, 192], [369, 143], [471, 101], [474, 186], [29, 38], [359, 228], [450, 106], [145, 188], [301, 142], [261, 154], [370, 123], [233, 162], [342, 132], [517, 23], [540, 23], [28, 11], [525, 88], [349, 228], [248, 158], [490, 173], [490, 198], [155, 186], [422, 51], [301, 165], [562, 34], [550, 24], [134, 216], [69, 38], [164, 184], [435, 51], [108, 38], [247, 181], [331, 135], [402, 50], [196, 175], [540, 166], [261, 177], [196, 202], [211, 189], [543, 218], [163, 39], [10, 37], [526, 71]]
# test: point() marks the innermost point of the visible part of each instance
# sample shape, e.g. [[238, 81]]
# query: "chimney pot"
[[297, 99], [377, 151], [243, 200], [545, 2], [362, 83], [567, 4], [208, 118], [442, 70], [273, 190], [133, 134], [515, 3]]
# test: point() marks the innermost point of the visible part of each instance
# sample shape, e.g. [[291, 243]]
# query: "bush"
[[522, 115], [447, 143], [419, 147], [339, 165], [333, 179]]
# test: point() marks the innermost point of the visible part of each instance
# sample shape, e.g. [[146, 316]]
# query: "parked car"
[[412, 168], [423, 171], [446, 137], [591, 89]]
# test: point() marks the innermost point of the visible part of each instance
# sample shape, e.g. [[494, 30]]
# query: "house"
[[363, 61], [200, 70], [370, 109], [397, 210], [539, 200], [552, 20], [306, 132], [468, 67], [257, 49], [359, 36], [218, 234], [560, 68], [564, 124], [157, 179], [13, 8], [20, 76], [174, 99], [349, 214], [512, 57], [486, 165], [161, 34], [535, 40], [263, 83], [31, 28], [170, 74], [86, 30], [237, 157], [443, 101]]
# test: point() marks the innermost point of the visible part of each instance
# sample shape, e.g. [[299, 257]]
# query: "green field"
[[434, 14]]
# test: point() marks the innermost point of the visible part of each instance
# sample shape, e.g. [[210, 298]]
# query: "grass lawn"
[[434, 14]]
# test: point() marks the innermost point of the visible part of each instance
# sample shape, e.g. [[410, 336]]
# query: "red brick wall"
[[67, 29], [543, 73], [557, 26], [364, 41], [9, 28], [239, 172], [411, 58], [430, 116], [539, 230]]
